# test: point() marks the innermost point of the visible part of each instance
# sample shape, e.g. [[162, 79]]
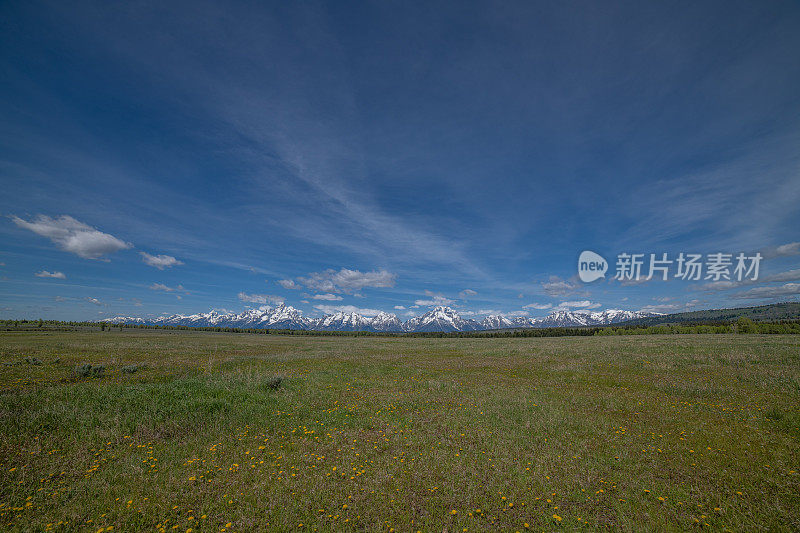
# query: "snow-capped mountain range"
[[437, 319]]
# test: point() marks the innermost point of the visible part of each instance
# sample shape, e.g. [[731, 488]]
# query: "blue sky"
[[391, 155]]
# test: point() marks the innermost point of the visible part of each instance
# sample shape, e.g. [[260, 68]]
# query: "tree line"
[[740, 326]]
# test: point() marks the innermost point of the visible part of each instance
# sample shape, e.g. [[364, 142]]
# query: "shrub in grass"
[[274, 382], [87, 370], [33, 361]]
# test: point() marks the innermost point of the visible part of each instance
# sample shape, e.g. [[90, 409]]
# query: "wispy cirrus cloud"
[[288, 284], [755, 184], [54, 274], [159, 261], [348, 281], [73, 236]]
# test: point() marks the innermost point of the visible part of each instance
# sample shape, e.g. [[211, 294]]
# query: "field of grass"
[[407, 434]]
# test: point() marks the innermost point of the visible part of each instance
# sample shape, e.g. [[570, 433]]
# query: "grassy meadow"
[[632, 433]]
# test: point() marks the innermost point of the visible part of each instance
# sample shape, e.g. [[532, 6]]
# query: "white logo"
[[591, 266]]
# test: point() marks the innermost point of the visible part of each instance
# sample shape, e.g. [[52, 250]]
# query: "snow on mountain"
[[609, 316], [503, 322], [386, 322], [342, 321], [282, 317], [561, 319], [566, 319], [440, 319], [437, 319]]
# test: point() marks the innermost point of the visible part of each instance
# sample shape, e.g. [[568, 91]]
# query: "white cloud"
[[466, 293], [661, 308], [787, 289], [558, 287], [400, 307], [162, 287], [537, 306], [789, 275], [46, 274], [636, 281], [94, 301], [723, 285], [74, 236], [435, 299], [332, 309], [494, 312], [792, 248], [261, 298], [667, 308], [348, 281], [160, 261], [582, 304], [288, 284], [327, 296]]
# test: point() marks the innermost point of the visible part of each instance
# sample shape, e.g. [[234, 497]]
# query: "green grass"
[[368, 434]]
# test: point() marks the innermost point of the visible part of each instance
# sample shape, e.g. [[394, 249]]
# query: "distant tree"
[[745, 325]]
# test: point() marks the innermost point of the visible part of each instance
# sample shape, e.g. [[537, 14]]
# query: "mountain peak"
[[438, 318]]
